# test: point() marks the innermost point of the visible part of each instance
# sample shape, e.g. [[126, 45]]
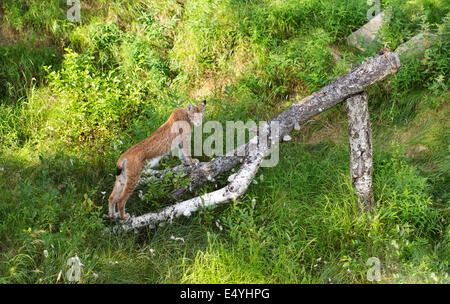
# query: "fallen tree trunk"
[[343, 87], [251, 154]]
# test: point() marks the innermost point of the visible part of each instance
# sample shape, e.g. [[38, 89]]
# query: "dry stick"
[[343, 87], [360, 142]]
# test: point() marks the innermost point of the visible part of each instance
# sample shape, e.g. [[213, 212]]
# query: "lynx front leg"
[[185, 155]]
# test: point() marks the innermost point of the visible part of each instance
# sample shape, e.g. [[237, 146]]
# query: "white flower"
[[440, 78], [394, 243], [176, 238], [46, 253], [95, 275], [152, 251]]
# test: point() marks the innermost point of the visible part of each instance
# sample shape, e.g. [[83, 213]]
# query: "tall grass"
[[74, 96]]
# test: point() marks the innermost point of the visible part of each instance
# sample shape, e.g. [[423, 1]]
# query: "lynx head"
[[195, 113]]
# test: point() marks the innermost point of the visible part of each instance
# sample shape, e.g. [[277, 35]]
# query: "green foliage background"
[[74, 96]]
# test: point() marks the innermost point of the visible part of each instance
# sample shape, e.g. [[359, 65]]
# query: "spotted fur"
[[175, 133]]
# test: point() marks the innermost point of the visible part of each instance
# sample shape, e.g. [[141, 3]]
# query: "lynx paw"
[[111, 216], [126, 218]]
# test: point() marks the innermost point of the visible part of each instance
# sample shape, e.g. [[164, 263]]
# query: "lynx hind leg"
[[131, 180], [130, 185], [119, 186]]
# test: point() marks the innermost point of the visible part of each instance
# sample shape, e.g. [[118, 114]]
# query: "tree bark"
[[360, 142], [251, 154]]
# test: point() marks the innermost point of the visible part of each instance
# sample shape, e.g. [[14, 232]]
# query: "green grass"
[[73, 97]]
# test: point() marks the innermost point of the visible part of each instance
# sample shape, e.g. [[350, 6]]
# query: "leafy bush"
[[104, 102]]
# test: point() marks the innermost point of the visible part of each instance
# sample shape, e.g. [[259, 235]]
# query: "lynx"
[[175, 133]]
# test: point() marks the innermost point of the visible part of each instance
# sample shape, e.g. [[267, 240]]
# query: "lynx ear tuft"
[[190, 107], [203, 103]]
